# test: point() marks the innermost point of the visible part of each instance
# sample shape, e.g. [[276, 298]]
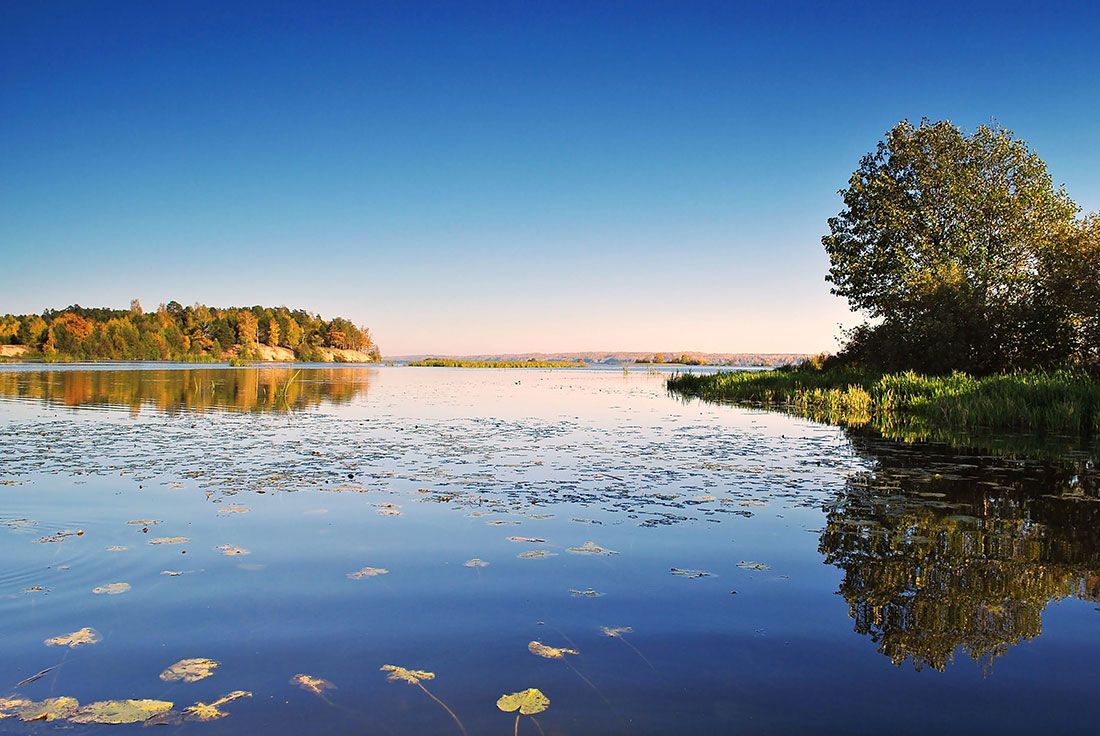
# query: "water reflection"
[[173, 391], [943, 551]]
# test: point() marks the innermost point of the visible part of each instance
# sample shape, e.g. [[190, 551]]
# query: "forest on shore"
[[195, 333]]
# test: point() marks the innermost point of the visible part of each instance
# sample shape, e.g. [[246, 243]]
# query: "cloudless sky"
[[490, 177]]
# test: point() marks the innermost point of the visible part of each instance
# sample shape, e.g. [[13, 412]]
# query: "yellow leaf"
[[314, 685], [541, 650], [120, 711], [400, 674], [75, 639], [528, 702], [190, 670], [112, 588], [212, 712]]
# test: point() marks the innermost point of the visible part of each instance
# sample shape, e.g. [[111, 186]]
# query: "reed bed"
[[1063, 402]]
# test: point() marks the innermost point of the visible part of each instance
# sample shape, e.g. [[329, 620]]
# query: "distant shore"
[[260, 353]]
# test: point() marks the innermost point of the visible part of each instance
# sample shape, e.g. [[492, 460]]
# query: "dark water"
[[853, 584]]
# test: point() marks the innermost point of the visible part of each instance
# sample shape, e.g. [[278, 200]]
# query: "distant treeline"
[[448, 363], [176, 332], [660, 359]]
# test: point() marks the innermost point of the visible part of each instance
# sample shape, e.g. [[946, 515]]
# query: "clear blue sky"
[[481, 177]]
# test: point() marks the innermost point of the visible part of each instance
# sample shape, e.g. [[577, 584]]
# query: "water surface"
[[776, 574]]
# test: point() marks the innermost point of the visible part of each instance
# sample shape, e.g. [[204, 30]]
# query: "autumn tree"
[[940, 244]]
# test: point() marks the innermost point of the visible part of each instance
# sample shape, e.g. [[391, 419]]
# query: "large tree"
[[942, 244]]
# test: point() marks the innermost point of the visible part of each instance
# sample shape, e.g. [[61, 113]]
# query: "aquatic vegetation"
[[587, 593], [617, 633], [230, 550], [61, 536], [76, 639], [120, 711], [475, 562], [534, 553], [542, 650], [527, 702], [691, 573], [51, 709], [414, 677], [368, 572], [913, 406], [752, 565], [592, 548], [112, 588], [315, 685], [190, 670], [234, 510], [169, 540], [212, 711], [525, 539]]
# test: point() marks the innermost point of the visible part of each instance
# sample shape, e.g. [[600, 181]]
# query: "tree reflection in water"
[[172, 391], [943, 550]]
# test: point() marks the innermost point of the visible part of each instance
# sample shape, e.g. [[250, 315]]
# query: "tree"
[[941, 243]]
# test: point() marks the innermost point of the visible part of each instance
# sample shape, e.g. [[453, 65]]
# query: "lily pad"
[[368, 572], [753, 565], [120, 711], [528, 702], [112, 588], [312, 684], [118, 548], [144, 522], [11, 706], [76, 639], [212, 712], [475, 562], [691, 573], [616, 631], [400, 674], [169, 540], [536, 553], [50, 709], [229, 549], [592, 548], [541, 650], [234, 510], [588, 593], [525, 539], [190, 670]]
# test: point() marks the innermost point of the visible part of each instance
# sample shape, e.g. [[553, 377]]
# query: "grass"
[[913, 406], [445, 363]]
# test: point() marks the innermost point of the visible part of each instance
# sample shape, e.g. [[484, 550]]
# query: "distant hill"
[[732, 359]]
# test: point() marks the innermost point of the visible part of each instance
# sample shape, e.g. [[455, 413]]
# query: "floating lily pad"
[[120, 711], [753, 565], [592, 548], [616, 631], [234, 510], [312, 684], [528, 702], [588, 593], [691, 573], [368, 572], [50, 709], [212, 711], [118, 548], [400, 674], [525, 539], [190, 670], [112, 588], [541, 650], [11, 706], [144, 522], [169, 540], [229, 549], [173, 573], [62, 535], [536, 553], [76, 639], [475, 562]]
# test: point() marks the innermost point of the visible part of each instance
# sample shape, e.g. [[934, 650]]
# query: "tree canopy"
[[964, 255], [175, 332]]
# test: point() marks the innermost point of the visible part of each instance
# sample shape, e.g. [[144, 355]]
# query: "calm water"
[[776, 575]]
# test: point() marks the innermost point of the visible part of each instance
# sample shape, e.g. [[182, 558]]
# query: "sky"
[[468, 178]]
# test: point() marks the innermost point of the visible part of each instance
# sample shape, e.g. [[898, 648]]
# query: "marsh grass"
[[909, 405], [447, 363]]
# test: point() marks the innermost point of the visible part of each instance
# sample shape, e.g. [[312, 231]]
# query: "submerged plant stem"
[[444, 705]]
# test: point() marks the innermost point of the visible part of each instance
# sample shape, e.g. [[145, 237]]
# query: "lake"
[[651, 566]]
